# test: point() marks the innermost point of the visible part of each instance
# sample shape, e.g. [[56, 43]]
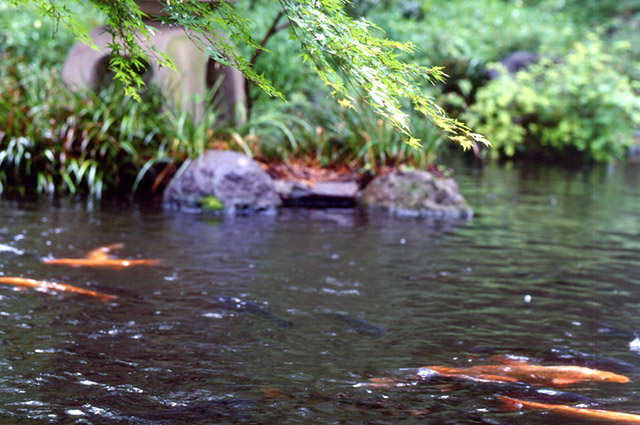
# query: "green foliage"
[[355, 135], [582, 103], [26, 36], [337, 46], [331, 134], [56, 141], [281, 60], [624, 31], [463, 36], [277, 130], [591, 12]]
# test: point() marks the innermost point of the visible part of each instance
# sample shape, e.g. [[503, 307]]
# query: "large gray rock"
[[417, 194], [235, 180]]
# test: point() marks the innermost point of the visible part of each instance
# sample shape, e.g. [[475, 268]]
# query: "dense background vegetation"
[[579, 101]]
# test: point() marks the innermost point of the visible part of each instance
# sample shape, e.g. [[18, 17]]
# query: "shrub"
[[26, 36], [465, 35], [581, 104]]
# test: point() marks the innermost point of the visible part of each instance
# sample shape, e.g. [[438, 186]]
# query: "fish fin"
[[102, 253], [269, 392], [497, 378], [564, 381], [443, 370], [447, 388], [510, 360], [509, 403], [97, 254], [382, 382]]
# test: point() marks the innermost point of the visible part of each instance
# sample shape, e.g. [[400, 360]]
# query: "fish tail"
[[113, 246], [270, 392], [444, 370], [516, 404], [103, 297], [509, 403], [284, 323]]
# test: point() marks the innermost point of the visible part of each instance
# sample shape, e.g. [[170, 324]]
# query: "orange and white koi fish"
[[575, 412], [530, 374], [99, 257], [60, 287], [103, 252]]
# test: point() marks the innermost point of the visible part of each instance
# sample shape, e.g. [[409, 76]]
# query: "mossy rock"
[[417, 193], [222, 182]]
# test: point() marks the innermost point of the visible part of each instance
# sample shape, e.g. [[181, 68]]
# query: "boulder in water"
[[417, 194], [235, 180]]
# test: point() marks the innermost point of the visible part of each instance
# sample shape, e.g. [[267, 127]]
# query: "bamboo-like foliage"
[[56, 141]]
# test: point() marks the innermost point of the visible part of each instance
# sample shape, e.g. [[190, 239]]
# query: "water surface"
[[550, 256]]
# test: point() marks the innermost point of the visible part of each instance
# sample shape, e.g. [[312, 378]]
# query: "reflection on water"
[[548, 266]]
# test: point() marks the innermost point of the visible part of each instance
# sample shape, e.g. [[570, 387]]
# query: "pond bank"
[[228, 182]]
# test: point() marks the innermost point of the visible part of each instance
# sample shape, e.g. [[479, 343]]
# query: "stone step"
[[331, 194]]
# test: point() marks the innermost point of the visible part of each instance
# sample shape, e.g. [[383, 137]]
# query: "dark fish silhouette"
[[605, 328], [565, 355], [241, 306], [359, 325]]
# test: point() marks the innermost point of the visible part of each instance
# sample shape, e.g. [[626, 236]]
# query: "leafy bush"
[[34, 40], [581, 104], [464, 36], [592, 12]]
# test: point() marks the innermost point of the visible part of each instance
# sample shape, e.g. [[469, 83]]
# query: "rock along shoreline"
[[230, 183]]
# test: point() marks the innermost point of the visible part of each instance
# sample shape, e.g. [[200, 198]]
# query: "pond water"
[[549, 263]]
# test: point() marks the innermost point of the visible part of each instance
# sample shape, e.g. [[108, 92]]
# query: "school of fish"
[[511, 371], [100, 258]]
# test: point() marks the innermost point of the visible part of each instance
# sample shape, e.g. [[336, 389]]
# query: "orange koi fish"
[[530, 374], [575, 412], [100, 257], [102, 253], [61, 287]]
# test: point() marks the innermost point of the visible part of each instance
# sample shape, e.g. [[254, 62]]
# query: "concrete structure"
[[87, 68]]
